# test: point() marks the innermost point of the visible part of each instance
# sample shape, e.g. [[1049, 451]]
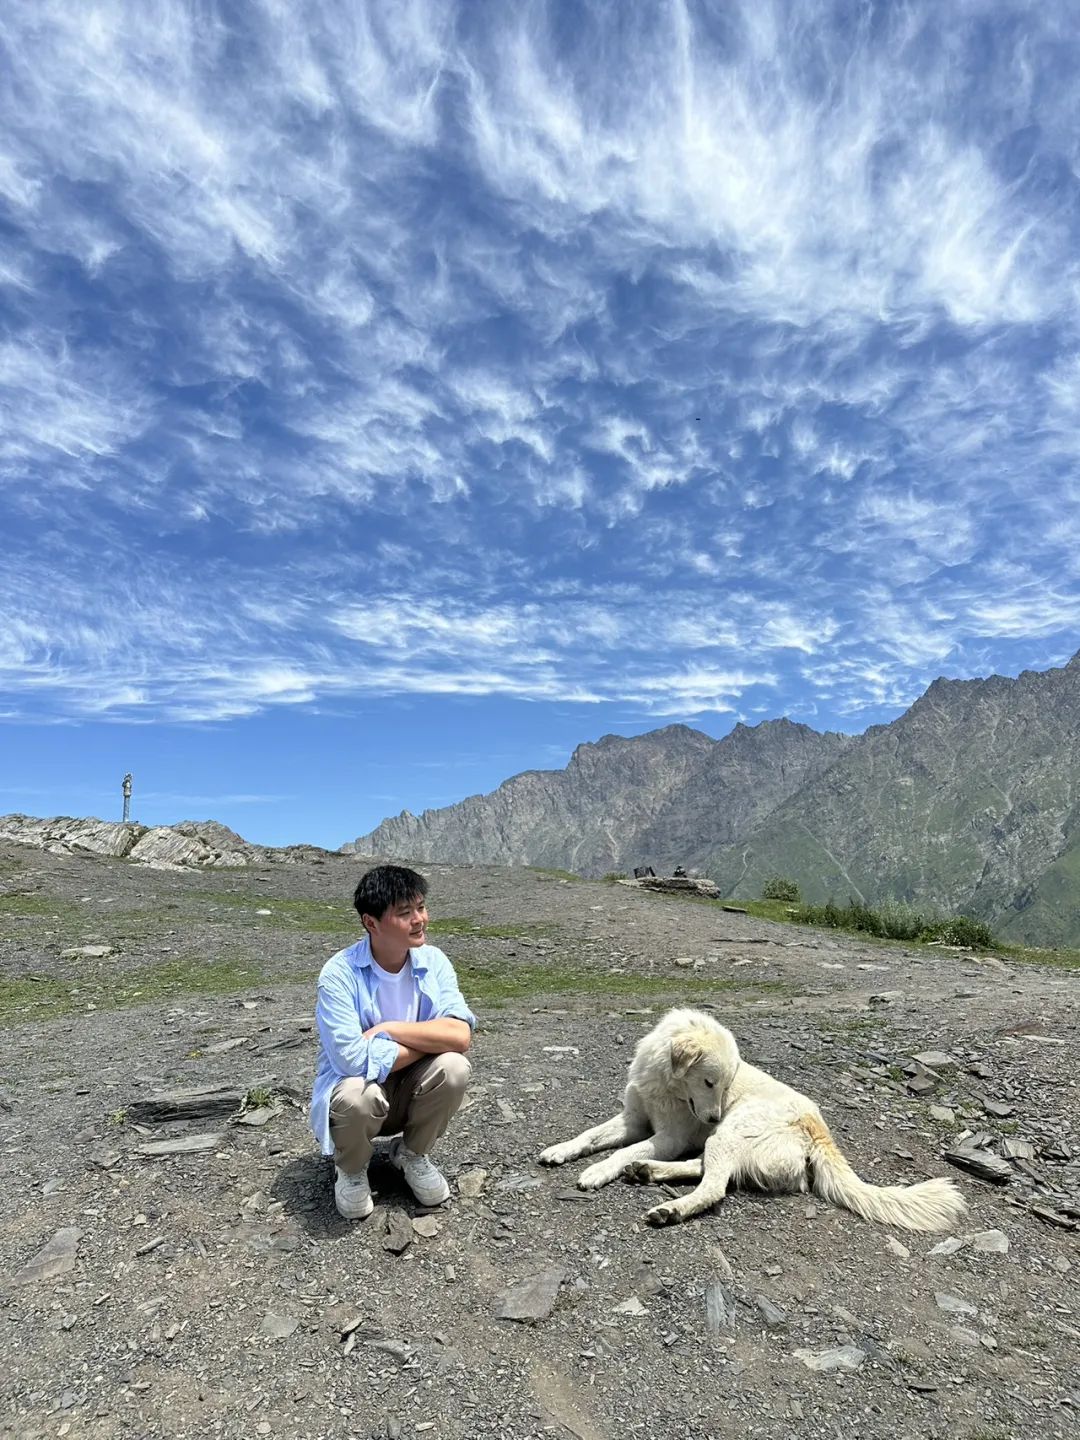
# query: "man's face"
[[401, 928]]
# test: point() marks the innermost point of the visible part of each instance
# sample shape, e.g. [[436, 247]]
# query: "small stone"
[[967, 1338], [56, 1258], [935, 1059], [470, 1183], [921, 1084], [259, 1116], [884, 997], [999, 1108], [947, 1247], [980, 1163], [532, 1299], [897, 1249], [953, 1304], [942, 1114], [774, 1317], [1017, 1149], [427, 1226], [633, 1306], [844, 1357], [989, 1242], [279, 1327], [87, 952], [399, 1232]]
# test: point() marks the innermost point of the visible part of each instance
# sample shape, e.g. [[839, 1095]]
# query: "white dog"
[[688, 1090]]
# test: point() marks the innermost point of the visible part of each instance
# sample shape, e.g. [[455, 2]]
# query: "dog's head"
[[705, 1061]]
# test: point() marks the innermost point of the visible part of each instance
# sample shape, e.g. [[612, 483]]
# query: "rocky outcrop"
[[190, 844]]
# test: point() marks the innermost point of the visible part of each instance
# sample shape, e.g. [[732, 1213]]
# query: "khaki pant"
[[418, 1102]]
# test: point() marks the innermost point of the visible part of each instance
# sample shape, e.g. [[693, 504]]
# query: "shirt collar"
[[362, 956]]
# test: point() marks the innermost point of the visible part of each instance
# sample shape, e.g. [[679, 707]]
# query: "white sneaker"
[[352, 1195], [425, 1180]]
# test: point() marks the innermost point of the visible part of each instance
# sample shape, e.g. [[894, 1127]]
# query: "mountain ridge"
[[967, 801]]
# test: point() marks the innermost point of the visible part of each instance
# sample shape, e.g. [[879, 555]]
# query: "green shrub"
[[961, 930], [614, 875], [777, 887], [892, 921]]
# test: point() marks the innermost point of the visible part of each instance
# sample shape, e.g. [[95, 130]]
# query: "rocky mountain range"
[[968, 802]]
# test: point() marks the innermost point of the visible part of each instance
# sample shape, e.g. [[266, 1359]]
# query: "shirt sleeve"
[[342, 1036], [451, 1002]]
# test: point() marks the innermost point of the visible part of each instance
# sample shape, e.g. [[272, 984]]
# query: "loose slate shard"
[[56, 1258], [399, 1232], [981, 1163], [532, 1299], [719, 1313]]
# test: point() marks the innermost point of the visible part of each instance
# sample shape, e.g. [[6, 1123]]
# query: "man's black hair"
[[385, 886]]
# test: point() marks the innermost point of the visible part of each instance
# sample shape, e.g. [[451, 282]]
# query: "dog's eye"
[[711, 1084]]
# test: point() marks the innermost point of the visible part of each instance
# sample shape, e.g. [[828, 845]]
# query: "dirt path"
[[218, 1293]]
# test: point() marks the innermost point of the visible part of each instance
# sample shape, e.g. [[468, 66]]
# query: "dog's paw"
[[594, 1177], [553, 1155], [638, 1172], [669, 1214]]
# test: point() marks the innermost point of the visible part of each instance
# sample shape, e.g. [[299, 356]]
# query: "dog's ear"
[[685, 1050]]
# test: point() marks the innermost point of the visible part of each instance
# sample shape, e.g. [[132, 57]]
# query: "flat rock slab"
[[259, 1116], [844, 1357], [87, 952], [934, 1059], [189, 1145], [532, 1299], [56, 1258], [199, 1104]]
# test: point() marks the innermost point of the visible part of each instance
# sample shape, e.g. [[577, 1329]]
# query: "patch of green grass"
[[463, 925], [784, 913], [32, 905], [318, 917], [25, 1001]]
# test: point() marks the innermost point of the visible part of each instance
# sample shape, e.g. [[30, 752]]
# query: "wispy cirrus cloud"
[[696, 357]]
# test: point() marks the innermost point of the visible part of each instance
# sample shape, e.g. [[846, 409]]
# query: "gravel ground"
[[218, 1293]]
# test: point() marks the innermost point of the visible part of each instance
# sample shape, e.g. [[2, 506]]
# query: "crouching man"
[[393, 1032]]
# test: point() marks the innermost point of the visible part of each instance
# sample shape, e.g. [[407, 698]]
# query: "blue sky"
[[393, 396]]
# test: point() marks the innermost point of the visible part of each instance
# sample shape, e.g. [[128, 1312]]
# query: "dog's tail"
[[928, 1205]]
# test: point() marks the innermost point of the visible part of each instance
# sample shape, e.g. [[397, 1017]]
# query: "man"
[[393, 1032]]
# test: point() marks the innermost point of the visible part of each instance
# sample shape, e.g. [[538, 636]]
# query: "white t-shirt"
[[397, 996]]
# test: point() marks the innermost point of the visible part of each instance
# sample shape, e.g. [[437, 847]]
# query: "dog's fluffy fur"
[[689, 1090]]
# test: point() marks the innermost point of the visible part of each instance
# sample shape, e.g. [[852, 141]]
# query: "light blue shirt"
[[347, 1004]]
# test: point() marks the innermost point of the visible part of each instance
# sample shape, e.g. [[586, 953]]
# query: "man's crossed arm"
[[417, 1038]]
